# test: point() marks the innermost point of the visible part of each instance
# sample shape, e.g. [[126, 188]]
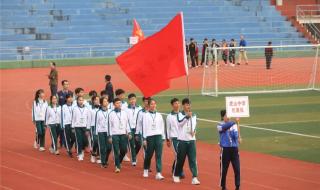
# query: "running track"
[[23, 167]]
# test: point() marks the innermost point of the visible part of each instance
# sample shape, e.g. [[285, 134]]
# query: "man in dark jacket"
[[192, 50], [64, 92], [109, 88], [53, 79], [268, 52]]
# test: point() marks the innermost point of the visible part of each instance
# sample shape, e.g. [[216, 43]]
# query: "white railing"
[[308, 15]]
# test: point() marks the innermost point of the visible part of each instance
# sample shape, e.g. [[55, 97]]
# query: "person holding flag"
[[187, 123]]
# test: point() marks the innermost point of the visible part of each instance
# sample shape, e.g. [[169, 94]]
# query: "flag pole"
[[185, 55], [188, 87]]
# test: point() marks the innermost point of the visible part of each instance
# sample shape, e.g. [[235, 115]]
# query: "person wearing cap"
[[204, 57], [268, 52], [229, 142]]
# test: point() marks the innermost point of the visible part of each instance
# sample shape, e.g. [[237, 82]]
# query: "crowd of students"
[[102, 126], [105, 126]]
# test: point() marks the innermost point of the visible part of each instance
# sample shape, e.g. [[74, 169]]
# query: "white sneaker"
[[35, 145], [159, 176], [195, 181], [134, 163], [117, 170], [145, 173], [93, 159], [80, 157], [41, 149], [176, 179], [126, 158], [57, 152], [51, 150], [98, 161]]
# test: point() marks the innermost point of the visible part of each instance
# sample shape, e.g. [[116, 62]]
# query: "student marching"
[[119, 128]]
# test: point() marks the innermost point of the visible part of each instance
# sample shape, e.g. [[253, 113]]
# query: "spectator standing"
[[268, 52], [242, 51], [53, 79]]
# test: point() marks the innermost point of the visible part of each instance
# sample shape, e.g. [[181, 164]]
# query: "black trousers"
[[268, 61], [193, 60], [229, 154], [69, 136], [53, 89]]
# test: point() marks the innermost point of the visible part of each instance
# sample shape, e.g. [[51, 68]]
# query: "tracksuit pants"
[[40, 133], [54, 131], [175, 149], [81, 138], [186, 148], [104, 147], [69, 136], [229, 154], [120, 143], [134, 145], [94, 142], [154, 144]]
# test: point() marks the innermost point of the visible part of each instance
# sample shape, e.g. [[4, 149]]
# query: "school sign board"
[[237, 106]]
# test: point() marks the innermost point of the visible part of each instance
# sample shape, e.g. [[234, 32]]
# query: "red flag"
[[136, 31], [151, 63]]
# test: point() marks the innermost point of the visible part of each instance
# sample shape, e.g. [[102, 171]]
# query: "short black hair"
[[173, 100], [68, 96], [146, 98], [93, 93], [150, 100], [213, 39], [79, 98], [131, 95], [223, 113], [116, 100], [119, 91], [205, 39], [191, 39], [107, 77], [64, 81], [103, 93], [102, 98], [269, 42], [78, 90], [186, 101], [232, 39], [93, 98]]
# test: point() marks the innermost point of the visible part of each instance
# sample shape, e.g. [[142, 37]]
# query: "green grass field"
[[297, 112]]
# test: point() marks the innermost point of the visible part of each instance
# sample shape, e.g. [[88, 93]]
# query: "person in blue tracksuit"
[[229, 142]]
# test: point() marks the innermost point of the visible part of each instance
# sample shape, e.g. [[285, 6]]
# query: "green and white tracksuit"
[[81, 121], [138, 134], [134, 145], [119, 129], [53, 121], [186, 144], [153, 131], [69, 136], [93, 134], [172, 133], [101, 126], [38, 118]]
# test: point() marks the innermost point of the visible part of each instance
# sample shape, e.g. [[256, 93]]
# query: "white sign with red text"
[[237, 106]]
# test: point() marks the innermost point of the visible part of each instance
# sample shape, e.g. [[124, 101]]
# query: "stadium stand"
[[98, 28]]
